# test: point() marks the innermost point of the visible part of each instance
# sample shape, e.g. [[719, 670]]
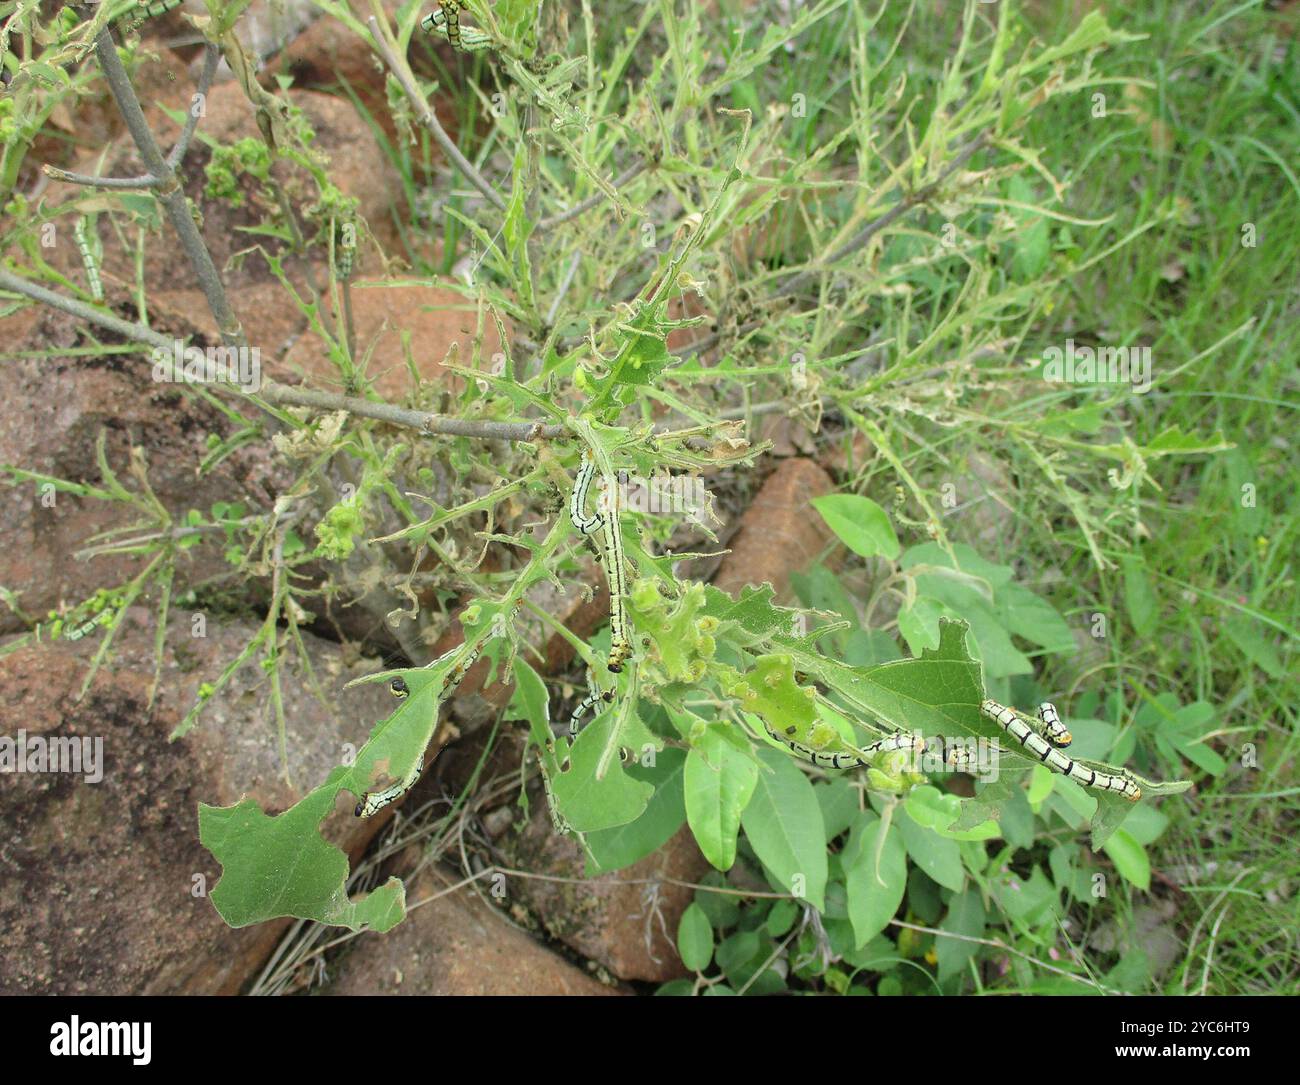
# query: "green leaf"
[[613, 849], [281, 866], [587, 802], [719, 781], [1033, 242], [861, 524], [966, 917], [1130, 858], [875, 884], [1246, 636], [938, 856], [695, 939], [783, 823], [1138, 597]]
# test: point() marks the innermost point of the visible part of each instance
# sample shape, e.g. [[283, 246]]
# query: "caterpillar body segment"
[[595, 697], [616, 571], [843, 760], [1053, 729], [89, 260], [957, 757], [445, 22], [583, 524], [457, 674], [1011, 722], [374, 801]]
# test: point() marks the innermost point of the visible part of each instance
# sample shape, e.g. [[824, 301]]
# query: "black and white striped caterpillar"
[[841, 760], [595, 696], [1019, 729], [374, 801]]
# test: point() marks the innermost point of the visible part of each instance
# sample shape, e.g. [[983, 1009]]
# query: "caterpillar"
[[1011, 722], [899, 741], [615, 571], [445, 21], [583, 524], [345, 249], [558, 821], [86, 628], [457, 674], [89, 258], [595, 695], [374, 801], [1053, 729], [142, 11]]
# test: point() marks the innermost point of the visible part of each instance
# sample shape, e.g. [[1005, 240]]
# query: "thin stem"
[[863, 236], [633, 171], [144, 181], [138, 333], [427, 117], [211, 56]]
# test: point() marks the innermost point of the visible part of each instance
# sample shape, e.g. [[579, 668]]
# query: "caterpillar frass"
[[1053, 729], [620, 635], [584, 524], [88, 259], [595, 696], [1011, 722], [899, 741], [374, 801]]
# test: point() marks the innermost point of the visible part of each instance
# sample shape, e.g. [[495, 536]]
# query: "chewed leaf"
[[281, 866]]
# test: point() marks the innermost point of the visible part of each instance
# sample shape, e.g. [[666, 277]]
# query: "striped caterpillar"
[[89, 258], [1016, 726], [445, 21], [595, 696], [345, 249], [374, 801], [605, 521], [616, 572], [142, 11], [888, 744]]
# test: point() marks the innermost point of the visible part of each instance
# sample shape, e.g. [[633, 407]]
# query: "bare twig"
[[211, 56], [148, 180], [145, 180], [169, 190]]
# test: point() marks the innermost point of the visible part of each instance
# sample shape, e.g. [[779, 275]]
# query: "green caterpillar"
[[445, 22], [605, 521], [89, 247]]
